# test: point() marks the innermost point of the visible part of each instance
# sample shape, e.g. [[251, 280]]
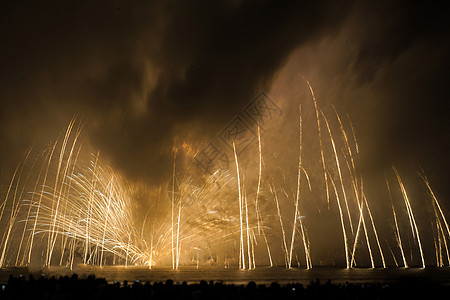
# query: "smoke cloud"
[[145, 73]]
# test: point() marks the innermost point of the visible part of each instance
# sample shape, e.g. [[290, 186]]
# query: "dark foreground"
[[73, 287]]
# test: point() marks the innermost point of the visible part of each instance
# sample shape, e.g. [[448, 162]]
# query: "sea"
[[260, 275]]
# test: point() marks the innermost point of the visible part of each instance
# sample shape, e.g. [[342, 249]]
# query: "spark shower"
[[66, 206]]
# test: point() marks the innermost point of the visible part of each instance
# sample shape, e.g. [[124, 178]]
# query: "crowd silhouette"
[[97, 288]]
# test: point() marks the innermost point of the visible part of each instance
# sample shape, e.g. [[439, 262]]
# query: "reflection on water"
[[262, 275]]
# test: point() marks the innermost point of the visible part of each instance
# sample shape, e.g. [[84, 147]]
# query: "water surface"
[[261, 275]]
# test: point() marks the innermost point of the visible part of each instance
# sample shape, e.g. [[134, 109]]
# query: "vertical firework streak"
[[436, 202], [316, 109], [173, 204], [30, 205], [41, 194], [338, 167], [14, 210], [89, 209], [247, 231], [5, 202], [297, 198], [397, 229], [283, 233], [398, 237], [258, 187], [363, 222], [53, 231], [341, 216], [178, 245], [28, 219], [438, 217], [305, 238], [357, 190], [241, 240], [110, 184], [259, 218], [375, 231], [65, 238], [414, 228], [58, 198]]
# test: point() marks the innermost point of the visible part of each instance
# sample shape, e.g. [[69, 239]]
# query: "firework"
[[66, 206]]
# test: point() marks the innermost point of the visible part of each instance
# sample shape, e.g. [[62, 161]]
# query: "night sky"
[[140, 74]]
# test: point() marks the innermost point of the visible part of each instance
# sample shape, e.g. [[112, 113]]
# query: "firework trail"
[[68, 207]]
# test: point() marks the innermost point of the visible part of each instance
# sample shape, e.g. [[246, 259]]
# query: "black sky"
[[142, 73]]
